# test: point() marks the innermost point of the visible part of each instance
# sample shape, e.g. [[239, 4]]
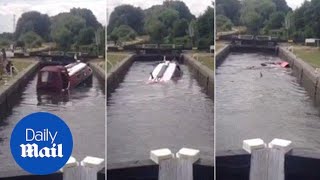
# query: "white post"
[[186, 158], [259, 165], [167, 163], [267, 163], [71, 170], [90, 167], [278, 150]]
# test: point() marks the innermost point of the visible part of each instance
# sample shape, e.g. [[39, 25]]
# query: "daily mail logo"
[[32, 150], [41, 143]]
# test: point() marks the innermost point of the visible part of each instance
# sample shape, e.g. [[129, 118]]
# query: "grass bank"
[[114, 58], [309, 54]]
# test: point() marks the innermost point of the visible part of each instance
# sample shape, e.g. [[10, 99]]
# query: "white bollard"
[[278, 150], [186, 158], [267, 163], [90, 167], [71, 170], [167, 163]]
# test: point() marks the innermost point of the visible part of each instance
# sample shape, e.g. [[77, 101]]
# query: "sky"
[[51, 7]]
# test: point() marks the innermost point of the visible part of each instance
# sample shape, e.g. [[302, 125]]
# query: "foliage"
[[229, 9], [205, 26], [68, 30], [126, 15], [88, 16], [33, 21], [223, 23], [123, 33], [31, 39], [86, 36]]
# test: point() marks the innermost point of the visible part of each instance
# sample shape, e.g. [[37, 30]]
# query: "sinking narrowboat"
[[165, 71], [61, 78]]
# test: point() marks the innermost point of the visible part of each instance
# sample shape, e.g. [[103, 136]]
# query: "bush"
[[223, 23], [204, 43], [31, 39]]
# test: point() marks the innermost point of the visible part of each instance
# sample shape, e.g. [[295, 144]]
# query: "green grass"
[[113, 59], [310, 55], [207, 60]]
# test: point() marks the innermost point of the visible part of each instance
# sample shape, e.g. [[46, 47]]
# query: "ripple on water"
[[142, 117], [271, 106]]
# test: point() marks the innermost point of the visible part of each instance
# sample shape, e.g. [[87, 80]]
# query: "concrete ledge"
[[117, 73], [149, 170], [98, 72], [304, 72], [203, 74], [14, 86], [222, 54]]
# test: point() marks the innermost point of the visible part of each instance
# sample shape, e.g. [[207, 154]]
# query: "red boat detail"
[[58, 78]]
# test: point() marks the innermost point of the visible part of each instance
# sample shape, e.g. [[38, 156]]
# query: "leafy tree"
[[33, 21], [181, 8], [180, 28], [229, 9], [168, 17], [126, 15], [223, 23], [86, 36], [206, 23], [87, 15], [156, 29], [66, 24], [276, 20], [63, 37], [31, 39], [124, 33]]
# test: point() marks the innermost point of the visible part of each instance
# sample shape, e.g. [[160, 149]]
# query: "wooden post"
[[186, 158], [71, 170], [267, 163], [167, 163], [90, 167]]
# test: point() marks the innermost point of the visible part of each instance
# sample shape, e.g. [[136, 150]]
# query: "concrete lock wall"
[[98, 72], [203, 74], [304, 72], [8, 92], [222, 54], [148, 170], [299, 164], [117, 73]]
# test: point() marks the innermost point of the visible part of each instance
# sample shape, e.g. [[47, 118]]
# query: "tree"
[[63, 37], [33, 21], [156, 29], [87, 15], [223, 23], [31, 39], [205, 25], [65, 24], [180, 28], [168, 17], [124, 33], [86, 36], [126, 15], [229, 9], [181, 8]]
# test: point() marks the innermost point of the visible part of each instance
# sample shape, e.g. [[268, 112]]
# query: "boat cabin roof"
[[75, 67], [53, 68]]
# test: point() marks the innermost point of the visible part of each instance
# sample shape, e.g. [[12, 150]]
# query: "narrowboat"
[[165, 71], [61, 78]]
